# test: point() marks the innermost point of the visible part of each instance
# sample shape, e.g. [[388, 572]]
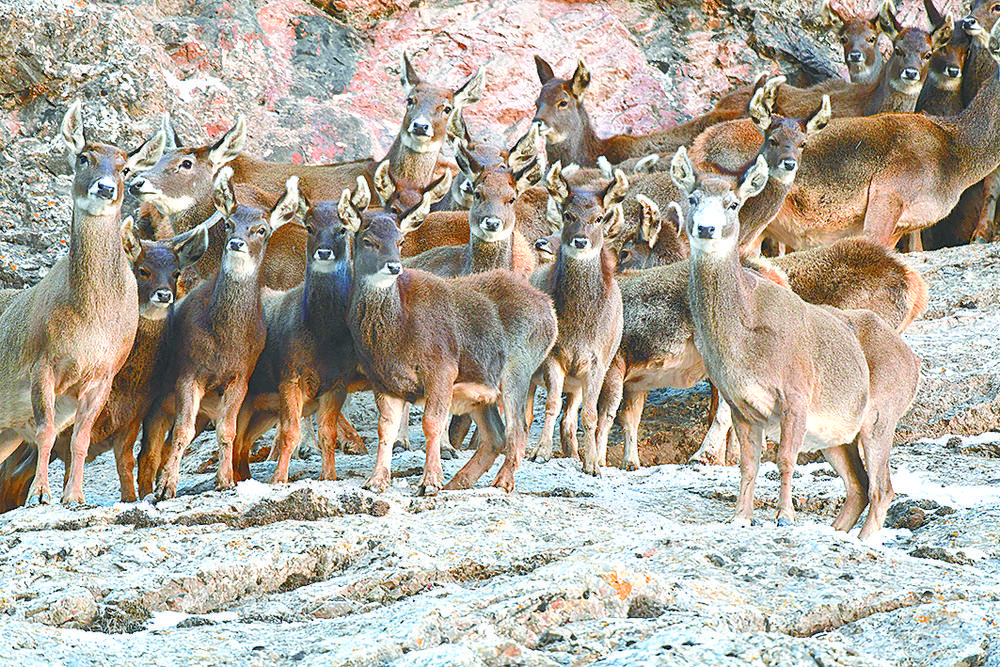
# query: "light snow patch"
[[916, 485], [185, 88]]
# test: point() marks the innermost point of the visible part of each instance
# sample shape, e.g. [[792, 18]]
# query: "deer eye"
[[144, 273], [899, 52], [186, 164], [176, 275], [995, 9], [692, 200], [927, 56], [871, 40], [341, 231], [448, 109], [733, 205], [562, 104], [261, 231], [410, 101], [772, 142], [82, 159], [510, 202], [843, 40], [368, 243], [310, 229]]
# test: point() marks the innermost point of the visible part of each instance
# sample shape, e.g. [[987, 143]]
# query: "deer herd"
[[252, 294]]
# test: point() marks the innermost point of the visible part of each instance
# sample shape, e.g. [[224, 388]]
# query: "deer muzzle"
[[952, 71], [392, 268], [910, 74], [238, 245], [162, 297], [855, 57], [104, 188], [491, 223]]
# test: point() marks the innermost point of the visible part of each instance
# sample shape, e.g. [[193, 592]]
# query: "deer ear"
[[829, 17], [770, 89], [408, 77], [580, 81], [553, 215], [760, 114], [942, 32], [456, 130], [820, 118], [471, 91], [651, 223], [616, 190], [467, 162], [224, 194], [527, 177], [682, 171], [754, 180], [148, 154], [439, 189], [349, 215], [614, 221], [362, 197], [384, 185], [287, 208], [556, 184], [545, 73], [933, 15], [130, 240], [675, 216], [229, 145], [887, 19], [645, 165], [72, 131], [173, 138], [416, 215], [192, 244], [525, 150]]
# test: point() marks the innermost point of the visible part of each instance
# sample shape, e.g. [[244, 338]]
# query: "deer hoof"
[[377, 483], [783, 522], [504, 482], [741, 522], [428, 490], [630, 465], [400, 446]]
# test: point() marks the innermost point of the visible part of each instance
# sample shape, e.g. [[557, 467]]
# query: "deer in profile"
[[589, 309], [63, 340], [859, 38], [220, 331], [464, 345], [156, 265], [836, 381]]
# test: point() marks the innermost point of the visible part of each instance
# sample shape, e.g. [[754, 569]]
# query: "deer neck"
[[99, 274], [976, 133], [326, 297], [886, 98], [580, 146], [488, 255], [719, 302], [376, 322], [977, 71], [235, 303], [758, 212], [580, 284], [410, 166], [864, 73]]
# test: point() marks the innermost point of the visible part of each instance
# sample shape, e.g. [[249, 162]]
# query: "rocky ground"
[[629, 569]]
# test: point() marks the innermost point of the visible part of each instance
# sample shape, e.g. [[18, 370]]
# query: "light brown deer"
[[859, 38], [589, 309], [837, 381], [63, 340], [462, 345], [156, 266], [220, 331]]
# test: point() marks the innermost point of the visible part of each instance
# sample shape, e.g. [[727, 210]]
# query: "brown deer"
[[885, 175], [895, 90], [63, 340], [220, 331], [589, 309], [826, 379], [570, 138], [308, 355], [859, 38], [462, 345], [156, 267]]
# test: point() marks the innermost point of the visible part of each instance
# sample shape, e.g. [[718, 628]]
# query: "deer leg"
[[490, 428], [436, 406], [457, 430], [589, 394], [154, 433], [607, 407], [751, 437], [43, 399], [347, 435], [554, 378], [847, 463], [876, 442], [124, 447], [10, 440], [713, 447], [633, 402], [515, 433], [570, 422], [188, 399], [289, 427], [793, 432], [328, 418], [402, 443], [881, 216], [390, 412], [225, 432], [984, 227]]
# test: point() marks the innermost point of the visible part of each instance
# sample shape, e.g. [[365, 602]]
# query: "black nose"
[[491, 224], [237, 244], [422, 129], [163, 295], [969, 23], [105, 191], [541, 244], [394, 267], [952, 71], [324, 254], [789, 165], [706, 231], [579, 243], [909, 74], [855, 57], [135, 186]]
